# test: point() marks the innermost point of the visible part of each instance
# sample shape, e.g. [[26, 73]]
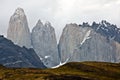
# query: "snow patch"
[[105, 24], [98, 27], [61, 64], [103, 28], [86, 37], [41, 58], [47, 57]]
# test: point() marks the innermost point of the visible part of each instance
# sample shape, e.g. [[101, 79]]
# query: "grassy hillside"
[[70, 71]]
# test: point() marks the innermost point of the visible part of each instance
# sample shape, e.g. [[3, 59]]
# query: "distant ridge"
[[12, 55]]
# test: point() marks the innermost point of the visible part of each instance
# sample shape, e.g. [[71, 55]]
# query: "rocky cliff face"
[[45, 44], [14, 56], [98, 42], [18, 30]]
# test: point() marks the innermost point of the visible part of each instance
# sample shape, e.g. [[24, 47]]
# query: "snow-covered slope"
[[61, 64], [87, 36]]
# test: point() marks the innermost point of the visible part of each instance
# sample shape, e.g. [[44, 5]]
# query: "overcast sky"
[[61, 12]]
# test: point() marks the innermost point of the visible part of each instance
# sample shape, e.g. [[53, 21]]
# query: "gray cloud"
[[61, 12]]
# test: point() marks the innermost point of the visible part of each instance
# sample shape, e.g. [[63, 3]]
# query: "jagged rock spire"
[[18, 30], [45, 44]]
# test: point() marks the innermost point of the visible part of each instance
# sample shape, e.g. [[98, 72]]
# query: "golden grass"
[[70, 71]]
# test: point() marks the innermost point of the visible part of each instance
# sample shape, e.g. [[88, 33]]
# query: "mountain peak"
[[39, 23], [18, 30], [47, 23], [105, 23], [44, 43], [19, 11]]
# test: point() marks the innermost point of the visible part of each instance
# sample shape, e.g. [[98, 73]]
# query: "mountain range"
[[78, 42]]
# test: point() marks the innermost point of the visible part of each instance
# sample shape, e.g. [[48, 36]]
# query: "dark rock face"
[[106, 29], [14, 56]]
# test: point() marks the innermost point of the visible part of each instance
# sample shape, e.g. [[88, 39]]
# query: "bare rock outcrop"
[[99, 42], [45, 44], [18, 30]]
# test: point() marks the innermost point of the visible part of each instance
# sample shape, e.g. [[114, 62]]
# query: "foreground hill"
[[69, 71]]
